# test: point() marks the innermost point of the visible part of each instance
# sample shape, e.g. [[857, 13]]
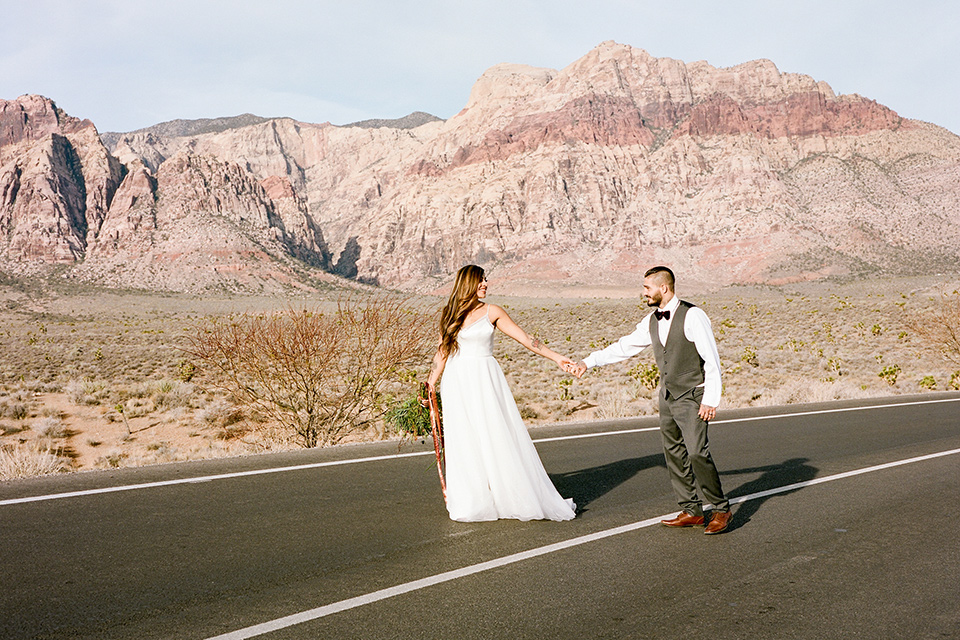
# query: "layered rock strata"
[[578, 177], [190, 223]]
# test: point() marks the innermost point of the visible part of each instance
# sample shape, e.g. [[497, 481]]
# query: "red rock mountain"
[[580, 177], [194, 223]]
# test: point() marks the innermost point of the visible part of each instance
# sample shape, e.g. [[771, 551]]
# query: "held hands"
[[573, 368]]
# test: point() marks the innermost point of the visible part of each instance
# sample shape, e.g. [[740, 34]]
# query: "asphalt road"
[[844, 527]]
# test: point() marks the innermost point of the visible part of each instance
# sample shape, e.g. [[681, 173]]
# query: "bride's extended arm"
[[501, 320], [436, 370]]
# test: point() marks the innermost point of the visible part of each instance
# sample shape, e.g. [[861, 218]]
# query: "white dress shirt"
[[696, 328]]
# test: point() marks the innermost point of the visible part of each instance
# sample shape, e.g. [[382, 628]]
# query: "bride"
[[492, 468]]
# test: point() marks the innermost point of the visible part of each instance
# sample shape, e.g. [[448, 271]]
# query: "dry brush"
[[322, 375]]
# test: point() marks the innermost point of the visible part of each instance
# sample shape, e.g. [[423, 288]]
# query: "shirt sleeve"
[[625, 347], [699, 331]]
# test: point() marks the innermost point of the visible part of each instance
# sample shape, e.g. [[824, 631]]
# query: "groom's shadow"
[[792, 471], [586, 485]]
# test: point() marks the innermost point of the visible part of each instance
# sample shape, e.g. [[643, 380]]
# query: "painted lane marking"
[[199, 479], [448, 576], [839, 410], [397, 456]]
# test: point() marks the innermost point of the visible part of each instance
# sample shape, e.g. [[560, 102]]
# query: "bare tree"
[[939, 327], [322, 375]]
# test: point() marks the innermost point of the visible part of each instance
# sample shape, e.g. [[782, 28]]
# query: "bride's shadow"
[[586, 485], [792, 471]]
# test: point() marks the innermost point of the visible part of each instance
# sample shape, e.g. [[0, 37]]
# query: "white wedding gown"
[[492, 468]]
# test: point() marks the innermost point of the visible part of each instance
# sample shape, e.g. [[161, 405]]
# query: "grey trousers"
[[687, 451]]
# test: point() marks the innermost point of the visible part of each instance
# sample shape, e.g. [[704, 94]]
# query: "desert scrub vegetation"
[[35, 459], [114, 366], [323, 375], [778, 345], [76, 358], [937, 325]]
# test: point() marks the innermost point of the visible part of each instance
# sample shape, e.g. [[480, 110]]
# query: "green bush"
[[410, 417], [647, 374], [186, 370], [928, 382], [890, 373], [750, 356]]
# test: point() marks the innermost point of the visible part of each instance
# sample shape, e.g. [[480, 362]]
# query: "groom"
[[686, 353]]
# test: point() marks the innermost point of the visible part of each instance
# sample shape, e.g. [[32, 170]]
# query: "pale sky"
[[127, 64]]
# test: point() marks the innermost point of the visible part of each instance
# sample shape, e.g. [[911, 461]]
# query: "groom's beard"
[[654, 301]]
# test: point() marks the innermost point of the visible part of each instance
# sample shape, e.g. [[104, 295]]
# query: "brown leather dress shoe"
[[684, 520], [718, 523]]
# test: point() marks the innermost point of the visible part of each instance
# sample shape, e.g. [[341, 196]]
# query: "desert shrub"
[[86, 392], [803, 390], [220, 413], [528, 413], [112, 460], [51, 427], [835, 365], [938, 328], [139, 390], [614, 403], [647, 374], [927, 382], [954, 383], [160, 452], [322, 375], [15, 410], [186, 370], [137, 407], [890, 373], [174, 395], [30, 460]]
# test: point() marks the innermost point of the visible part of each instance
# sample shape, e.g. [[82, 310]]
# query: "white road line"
[[448, 576], [840, 410], [333, 463], [599, 434], [198, 479]]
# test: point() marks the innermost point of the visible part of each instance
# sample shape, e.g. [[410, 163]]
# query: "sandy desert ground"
[[97, 379]]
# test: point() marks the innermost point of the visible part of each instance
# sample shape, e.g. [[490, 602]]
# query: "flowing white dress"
[[492, 467]]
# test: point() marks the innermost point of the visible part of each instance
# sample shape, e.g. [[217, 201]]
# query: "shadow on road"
[[586, 485], [789, 472]]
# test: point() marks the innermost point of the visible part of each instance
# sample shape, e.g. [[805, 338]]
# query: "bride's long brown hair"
[[463, 300]]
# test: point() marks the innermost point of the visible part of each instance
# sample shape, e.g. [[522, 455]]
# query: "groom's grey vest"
[[681, 367]]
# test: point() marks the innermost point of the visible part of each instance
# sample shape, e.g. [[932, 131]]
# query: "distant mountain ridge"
[[185, 128], [409, 121], [180, 128], [578, 177]]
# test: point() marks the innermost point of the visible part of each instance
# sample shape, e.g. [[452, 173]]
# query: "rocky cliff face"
[[580, 176], [191, 223], [56, 181]]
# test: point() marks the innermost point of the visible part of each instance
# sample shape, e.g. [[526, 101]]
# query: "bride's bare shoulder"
[[496, 312]]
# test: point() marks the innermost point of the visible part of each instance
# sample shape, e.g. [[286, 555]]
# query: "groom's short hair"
[[663, 275]]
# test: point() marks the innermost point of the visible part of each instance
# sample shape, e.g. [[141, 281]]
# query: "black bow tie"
[[662, 315]]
